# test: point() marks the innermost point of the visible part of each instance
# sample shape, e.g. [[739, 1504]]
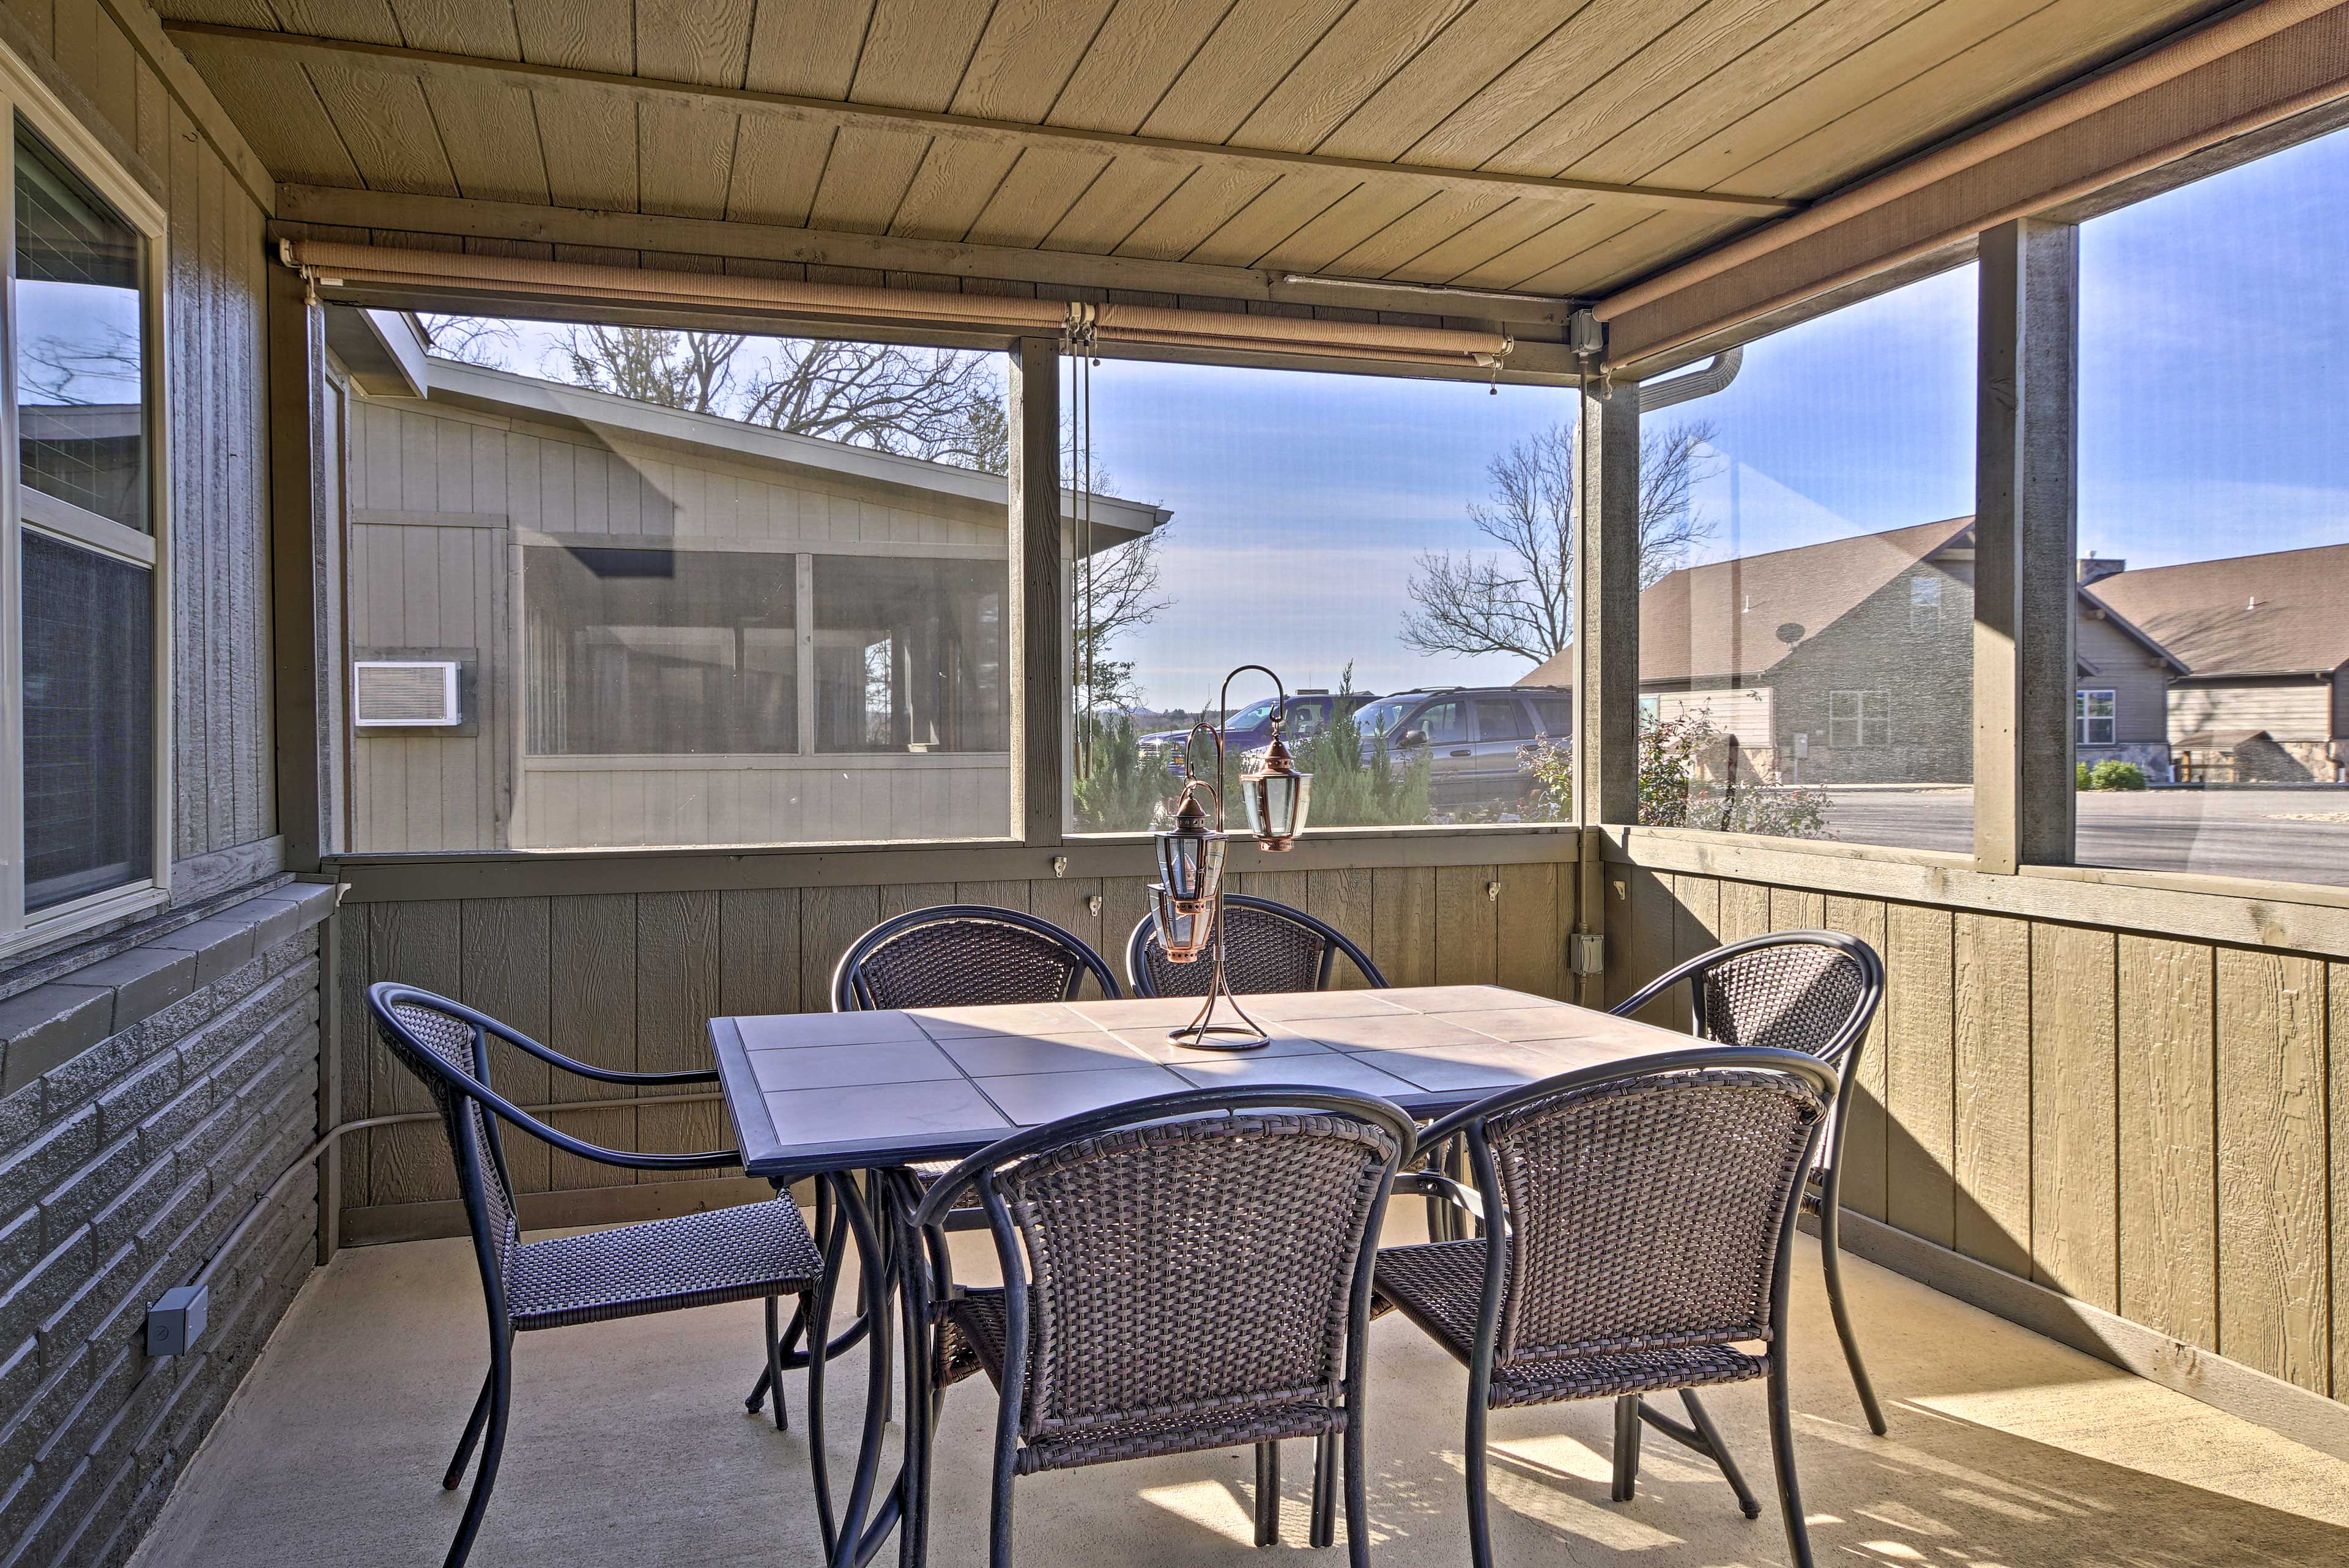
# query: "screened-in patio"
[[1438, 779]]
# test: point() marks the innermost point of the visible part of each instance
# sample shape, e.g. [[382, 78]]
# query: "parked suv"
[[1251, 726], [1471, 736]]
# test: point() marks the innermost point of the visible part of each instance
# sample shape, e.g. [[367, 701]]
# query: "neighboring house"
[[2265, 641], [671, 628], [1851, 662]]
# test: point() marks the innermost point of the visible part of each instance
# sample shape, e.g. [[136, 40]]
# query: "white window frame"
[[1858, 718], [2082, 717], [1924, 594], [25, 98]]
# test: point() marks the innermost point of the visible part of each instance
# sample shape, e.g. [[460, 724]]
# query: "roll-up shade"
[[328, 263]]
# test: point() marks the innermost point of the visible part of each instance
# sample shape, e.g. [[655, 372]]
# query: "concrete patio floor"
[[630, 1446]]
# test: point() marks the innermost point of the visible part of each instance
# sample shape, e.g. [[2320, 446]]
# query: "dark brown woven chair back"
[[1644, 1214], [1795, 996], [1193, 1268], [1268, 946], [425, 1038], [964, 956]]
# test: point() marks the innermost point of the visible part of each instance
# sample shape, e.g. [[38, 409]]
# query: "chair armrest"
[[578, 1069], [1436, 1184], [506, 1110]]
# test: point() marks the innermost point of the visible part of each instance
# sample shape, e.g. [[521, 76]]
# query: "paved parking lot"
[[2281, 835]]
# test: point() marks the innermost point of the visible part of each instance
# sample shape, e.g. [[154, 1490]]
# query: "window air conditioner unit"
[[410, 693]]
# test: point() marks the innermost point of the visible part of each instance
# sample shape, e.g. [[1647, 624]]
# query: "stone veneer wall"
[[146, 1101]]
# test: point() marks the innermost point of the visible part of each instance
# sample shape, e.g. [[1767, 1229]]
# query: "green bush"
[[2116, 775], [1350, 791], [2080, 776], [1669, 791], [1116, 792]]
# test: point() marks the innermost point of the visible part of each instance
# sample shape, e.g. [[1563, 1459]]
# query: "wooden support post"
[[1607, 608], [2025, 544], [1039, 741], [304, 562]]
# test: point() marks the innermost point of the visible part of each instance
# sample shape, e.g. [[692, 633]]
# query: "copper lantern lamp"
[[1186, 903]]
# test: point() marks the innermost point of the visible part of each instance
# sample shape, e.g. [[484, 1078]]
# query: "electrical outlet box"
[[177, 1320], [1587, 954]]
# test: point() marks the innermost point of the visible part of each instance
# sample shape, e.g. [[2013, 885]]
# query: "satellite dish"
[[1790, 632]]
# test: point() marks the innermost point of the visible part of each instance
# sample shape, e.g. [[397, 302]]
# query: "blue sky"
[[2213, 390]]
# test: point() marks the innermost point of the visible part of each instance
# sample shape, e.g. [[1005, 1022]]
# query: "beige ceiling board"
[[491, 142], [706, 41], [1346, 224], [805, 47], [583, 35], [1361, 51], [2251, 69], [1133, 59], [918, 126], [617, 237], [1453, 68], [915, 53], [589, 145], [1192, 211], [295, 140], [1118, 201], [778, 165], [1034, 197], [334, 265], [460, 26], [951, 187], [1282, 208], [865, 182], [386, 125], [1253, 47], [693, 146]]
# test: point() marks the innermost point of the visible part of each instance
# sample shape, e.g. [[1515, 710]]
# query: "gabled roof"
[[602, 413], [1735, 620], [1723, 620], [2285, 613]]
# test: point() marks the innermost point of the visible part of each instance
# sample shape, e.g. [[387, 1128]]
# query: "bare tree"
[[107, 362], [1518, 598], [688, 370], [918, 402], [471, 339]]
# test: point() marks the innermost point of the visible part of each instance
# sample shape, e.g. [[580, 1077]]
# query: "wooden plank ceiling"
[[1479, 143]]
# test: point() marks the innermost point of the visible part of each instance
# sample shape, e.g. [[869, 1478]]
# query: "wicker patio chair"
[[1183, 1272], [946, 955], [1268, 946], [1646, 1220], [750, 1252], [964, 955], [1811, 991]]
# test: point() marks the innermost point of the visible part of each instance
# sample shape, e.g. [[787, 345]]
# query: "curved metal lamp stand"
[[1203, 1033]]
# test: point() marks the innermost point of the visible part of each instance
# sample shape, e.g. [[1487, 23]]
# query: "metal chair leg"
[[1325, 1490], [1626, 1447], [775, 1361], [1358, 1505], [1480, 1526], [473, 1431], [1782, 1455], [1831, 1259], [494, 1446], [1703, 1420], [1267, 1493]]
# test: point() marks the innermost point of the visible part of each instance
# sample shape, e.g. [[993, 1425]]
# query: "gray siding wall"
[[154, 1080], [2295, 712], [150, 1100], [2139, 684]]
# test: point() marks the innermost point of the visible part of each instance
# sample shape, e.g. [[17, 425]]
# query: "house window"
[[661, 652], [1924, 603], [2094, 710], [84, 841], [1857, 718]]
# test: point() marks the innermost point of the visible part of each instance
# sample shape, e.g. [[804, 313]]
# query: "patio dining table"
[[851, 1098]]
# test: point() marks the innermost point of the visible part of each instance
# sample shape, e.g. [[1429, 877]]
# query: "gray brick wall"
[[146, 1101]]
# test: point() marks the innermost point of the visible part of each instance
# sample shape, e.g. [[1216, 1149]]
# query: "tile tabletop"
[[812, 1092]]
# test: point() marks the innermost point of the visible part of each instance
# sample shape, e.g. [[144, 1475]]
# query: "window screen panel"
[[909, 655], [89, 722], [661, 652], [81, 405]]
